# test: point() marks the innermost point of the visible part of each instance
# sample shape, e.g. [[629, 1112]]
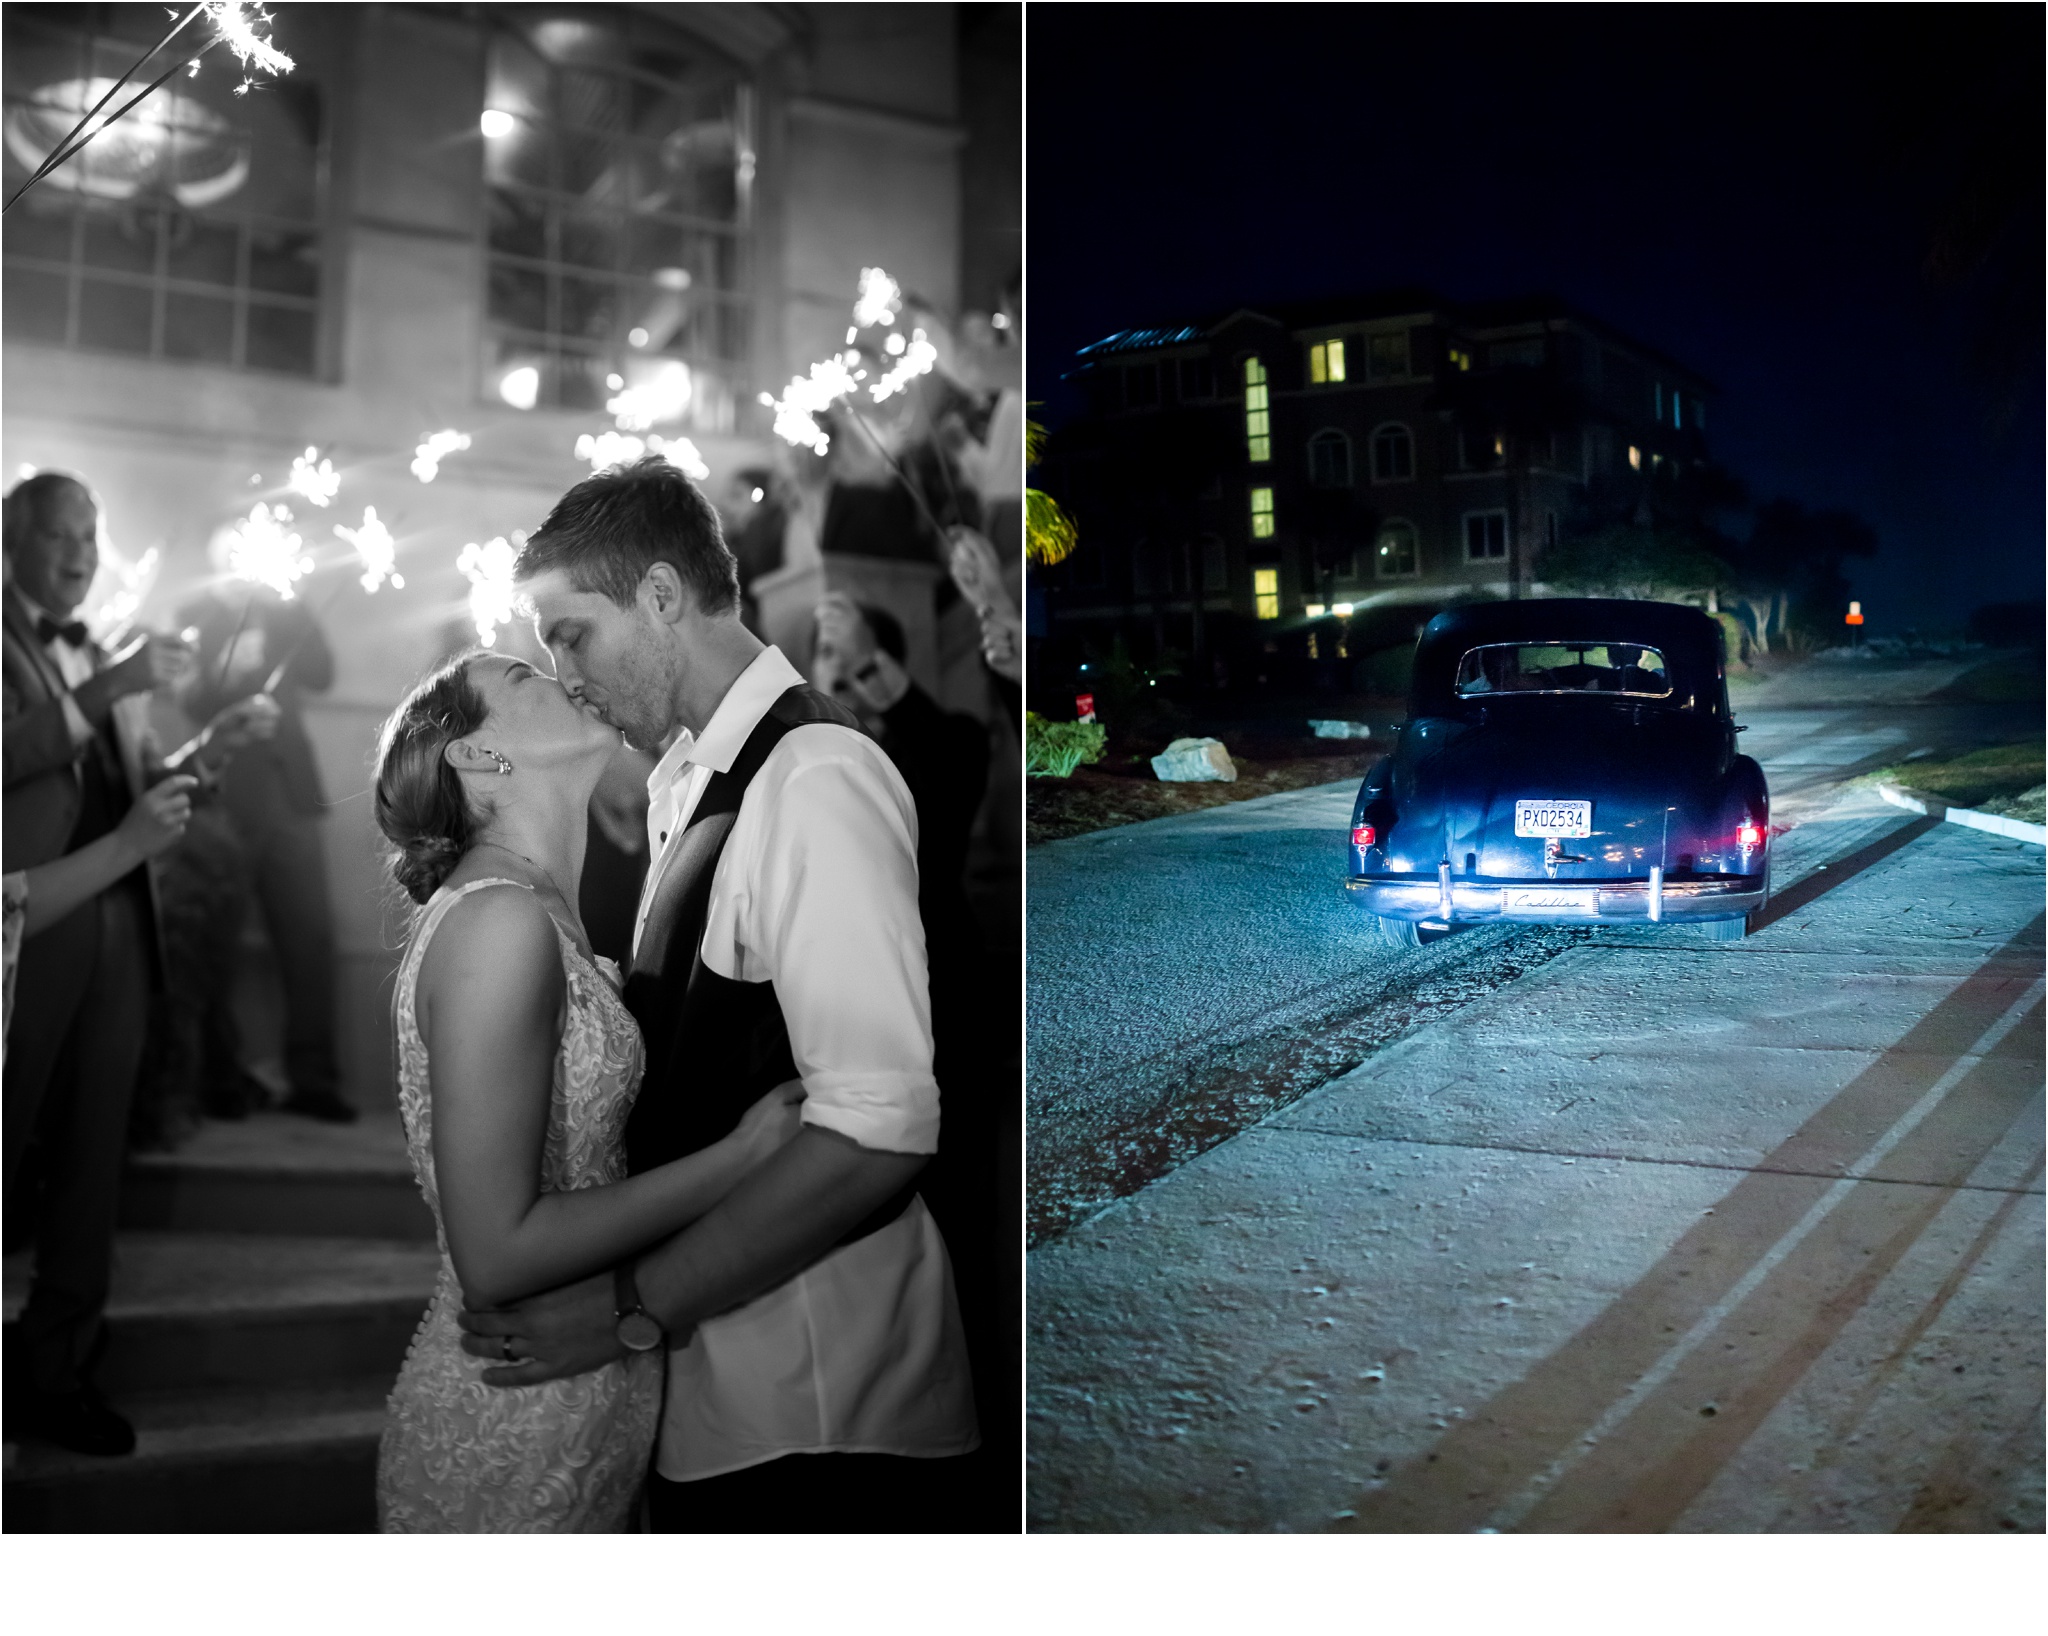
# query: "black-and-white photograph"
[[513, 790]]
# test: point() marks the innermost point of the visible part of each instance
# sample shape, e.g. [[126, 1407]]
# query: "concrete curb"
[[1990, 822]]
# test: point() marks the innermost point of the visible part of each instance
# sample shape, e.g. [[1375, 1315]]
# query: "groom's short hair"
[[608, 530]]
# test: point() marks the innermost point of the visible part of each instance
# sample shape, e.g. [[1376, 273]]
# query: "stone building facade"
[[486, 219]]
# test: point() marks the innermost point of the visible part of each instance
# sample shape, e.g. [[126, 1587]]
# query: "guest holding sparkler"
[[253, 641], [78, 756]]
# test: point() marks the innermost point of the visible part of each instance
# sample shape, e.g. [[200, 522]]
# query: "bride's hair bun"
[[420, 803]]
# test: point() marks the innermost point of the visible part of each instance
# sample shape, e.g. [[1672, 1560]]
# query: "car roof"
[[1689, 639]]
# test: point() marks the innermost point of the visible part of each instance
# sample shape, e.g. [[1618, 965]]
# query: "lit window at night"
[[1677, 410], [1258, 419], [1460, 358], [1657, 403], [1266, 592], [1635, 458], [1326, 362], [1262, 514], [1395, 556]]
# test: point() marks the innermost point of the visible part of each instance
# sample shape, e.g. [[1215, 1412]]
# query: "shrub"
[[1053, 749]]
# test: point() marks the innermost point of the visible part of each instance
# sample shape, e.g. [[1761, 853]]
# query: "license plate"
[[1535, 900], [1573, 819]]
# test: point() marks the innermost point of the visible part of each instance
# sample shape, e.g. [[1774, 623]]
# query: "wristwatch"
[[637, 1331]]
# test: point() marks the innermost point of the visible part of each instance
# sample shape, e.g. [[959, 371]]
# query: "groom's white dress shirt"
[[816, 892]]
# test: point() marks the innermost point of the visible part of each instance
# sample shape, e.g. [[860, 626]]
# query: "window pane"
[[519, 297], [120, 240], [116, 316], [590, 308], [583, 162], [515, 224], [1336, 360], [587, 240], [521, 155], [280, 338], [35, 305], [580, 381], [45, 234], [199, 327], [203, 252]]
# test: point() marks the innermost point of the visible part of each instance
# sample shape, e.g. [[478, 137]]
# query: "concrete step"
[[276, 1173], [209, 1311], [274, 1460]]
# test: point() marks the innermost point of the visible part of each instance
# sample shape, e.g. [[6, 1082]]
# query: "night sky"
[[1754, 190]]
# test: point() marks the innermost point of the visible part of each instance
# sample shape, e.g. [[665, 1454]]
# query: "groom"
[[817, 1379]]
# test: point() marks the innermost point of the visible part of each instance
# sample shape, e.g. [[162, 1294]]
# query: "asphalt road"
[[1542, 1229]]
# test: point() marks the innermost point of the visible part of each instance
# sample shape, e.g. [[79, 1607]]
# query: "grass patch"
[[2012, 679], [2003, 773]]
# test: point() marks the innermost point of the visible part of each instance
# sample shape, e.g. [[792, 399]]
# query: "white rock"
[[1194, 761], [1340, 729]]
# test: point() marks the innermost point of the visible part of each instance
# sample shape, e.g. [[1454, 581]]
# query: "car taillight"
[[1363, 836], [1749, 837]]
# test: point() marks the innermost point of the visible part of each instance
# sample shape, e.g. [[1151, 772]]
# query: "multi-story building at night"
[[1312, 481]]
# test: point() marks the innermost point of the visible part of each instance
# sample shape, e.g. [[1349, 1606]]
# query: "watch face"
[[639, 1333]]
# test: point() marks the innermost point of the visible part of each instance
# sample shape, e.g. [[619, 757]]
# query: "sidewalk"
[[1665, 1236]]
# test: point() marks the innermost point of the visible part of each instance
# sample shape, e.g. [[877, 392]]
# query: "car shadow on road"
[[1626, 1424], [1826, 877]]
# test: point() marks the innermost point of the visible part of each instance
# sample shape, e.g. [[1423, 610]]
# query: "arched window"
[[1329, 459], [1394, 553], [618, 163], [1393, 455]]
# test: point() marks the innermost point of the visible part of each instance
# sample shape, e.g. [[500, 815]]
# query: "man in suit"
[[818, 1378], [78, 752]]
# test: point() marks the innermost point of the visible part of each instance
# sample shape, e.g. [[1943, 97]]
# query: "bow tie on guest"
[[48, 630]]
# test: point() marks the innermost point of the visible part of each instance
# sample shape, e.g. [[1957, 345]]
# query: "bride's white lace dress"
[[569, 1455]]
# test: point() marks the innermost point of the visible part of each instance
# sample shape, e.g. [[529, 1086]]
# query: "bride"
[[518, 1065]]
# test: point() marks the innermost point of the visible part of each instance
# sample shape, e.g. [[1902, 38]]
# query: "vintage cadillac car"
[[1564, 761]]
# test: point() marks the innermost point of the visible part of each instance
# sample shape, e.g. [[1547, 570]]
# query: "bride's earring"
[[504, 766]]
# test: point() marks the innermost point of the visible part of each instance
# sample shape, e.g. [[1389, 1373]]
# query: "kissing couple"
[[683, 1251]]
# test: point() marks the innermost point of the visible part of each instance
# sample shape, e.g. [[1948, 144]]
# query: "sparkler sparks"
[[488, 567], [427, 458], [318, 483], [236, 25], [914, 360], [263, 550], [879, 301], [616, 448], [809, 396], [377, 550], [662, 396]]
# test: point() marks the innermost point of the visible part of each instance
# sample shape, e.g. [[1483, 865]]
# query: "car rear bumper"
[[1539, 902]]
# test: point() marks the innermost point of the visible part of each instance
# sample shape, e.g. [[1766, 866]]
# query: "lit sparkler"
[[880, 299], [236, 26], [619, 449], [912, 360], [488, 567], [809, 396], [663, 396], [376, 549], [314, 478], [427, 458], [263, 550]]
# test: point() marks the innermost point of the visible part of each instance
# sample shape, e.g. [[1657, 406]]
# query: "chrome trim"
[[1610, 902]]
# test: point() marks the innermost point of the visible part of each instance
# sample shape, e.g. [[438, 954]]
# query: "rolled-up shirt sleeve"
[[824, 902]]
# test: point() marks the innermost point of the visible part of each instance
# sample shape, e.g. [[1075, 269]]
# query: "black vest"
[[715, 1045]]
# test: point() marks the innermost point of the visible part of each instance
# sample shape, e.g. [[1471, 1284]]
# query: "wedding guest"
[[78, 755], [253, 641]]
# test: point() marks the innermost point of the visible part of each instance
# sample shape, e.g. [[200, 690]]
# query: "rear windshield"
[[1563, 667]]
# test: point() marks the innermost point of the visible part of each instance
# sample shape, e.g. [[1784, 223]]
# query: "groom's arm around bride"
[[812, 1311]]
